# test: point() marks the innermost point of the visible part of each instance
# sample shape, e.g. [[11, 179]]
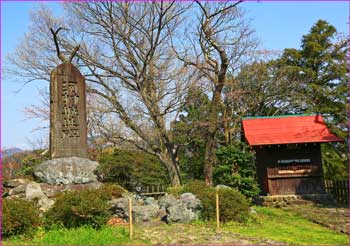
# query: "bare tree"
[[260, 88], [217, 49], [124, 54]]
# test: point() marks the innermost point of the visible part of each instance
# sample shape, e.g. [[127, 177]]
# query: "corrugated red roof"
[[287, 130]]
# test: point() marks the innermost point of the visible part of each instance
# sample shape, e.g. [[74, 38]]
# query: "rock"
[[191, 201], [179, 213], [252, 210], [12, 183], [144, 213], [45, 203], [218, 187], [120, 207], [33, 190], [168, 201], [70, 170], [17, 190], [150, 201], [53, 190]]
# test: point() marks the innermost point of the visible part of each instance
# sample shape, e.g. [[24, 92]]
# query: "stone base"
[[69, 170], [288, 200], [43, 193]]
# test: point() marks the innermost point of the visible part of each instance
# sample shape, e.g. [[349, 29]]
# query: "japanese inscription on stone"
[[67, 112]]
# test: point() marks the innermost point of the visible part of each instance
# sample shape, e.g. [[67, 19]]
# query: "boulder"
[[120, 207], [70, 170], [33, 190], [168, 201], [13, 183], [144, 213], [17, 190], [191, 201], [52, 190], [45, 203], [150, 201], [218, 187], [180, 213]]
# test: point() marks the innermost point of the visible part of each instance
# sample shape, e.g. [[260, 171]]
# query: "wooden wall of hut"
[[290, 169]]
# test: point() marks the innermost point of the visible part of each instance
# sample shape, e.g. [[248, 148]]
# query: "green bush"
[[236, 169], [111, 190], [233, 205], [175, 191], [207, 196], [128, 168], [74, 209], [19, 217]]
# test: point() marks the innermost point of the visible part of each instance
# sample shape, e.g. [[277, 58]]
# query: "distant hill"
[[10, 151]]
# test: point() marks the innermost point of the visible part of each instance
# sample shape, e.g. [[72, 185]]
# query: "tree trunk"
[[173, 169], [209, 160], [209, 155]]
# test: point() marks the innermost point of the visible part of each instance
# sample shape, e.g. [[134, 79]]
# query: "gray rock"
[[144, 213], [150, 201], [218, 187], [17, 190], [168, 201], [120, 207], [33, 190], [45, 203], [179, 213], [252, 210], [12, 183], [191, 201], [70, 170], [53, 190]]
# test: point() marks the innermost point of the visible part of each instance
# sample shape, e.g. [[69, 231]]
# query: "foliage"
[[129, 167], [175, 191], [20, 165], [19, 217], [111, 190], [334, 161], [74, 209], [234, 206], [236, 169], [207, 196], [321, 66], [189, 133]]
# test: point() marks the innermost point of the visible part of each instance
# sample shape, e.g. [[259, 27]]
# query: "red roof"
[[287, 130]]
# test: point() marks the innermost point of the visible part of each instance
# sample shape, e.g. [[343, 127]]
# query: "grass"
[[82, 235], [274, 224], [283, 226]]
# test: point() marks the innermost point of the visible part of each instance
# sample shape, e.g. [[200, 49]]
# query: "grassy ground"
[[336, 218], [284, 226], [82, 236], [270, 226]]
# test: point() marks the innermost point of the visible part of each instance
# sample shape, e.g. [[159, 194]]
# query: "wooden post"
[[130, 219], [217, 211]]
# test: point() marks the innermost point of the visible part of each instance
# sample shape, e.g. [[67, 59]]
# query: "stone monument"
[[67, 112], [68, 131]]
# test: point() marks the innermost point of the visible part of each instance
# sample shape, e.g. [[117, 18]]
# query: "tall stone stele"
[[68, 128], [69, 162]]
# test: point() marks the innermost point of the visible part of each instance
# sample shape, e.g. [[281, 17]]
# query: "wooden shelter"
[[288, 153]]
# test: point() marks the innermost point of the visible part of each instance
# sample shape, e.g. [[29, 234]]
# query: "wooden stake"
[[130, 219], [217, 211]]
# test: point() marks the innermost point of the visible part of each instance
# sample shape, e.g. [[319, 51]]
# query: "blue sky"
[[278, 25]]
